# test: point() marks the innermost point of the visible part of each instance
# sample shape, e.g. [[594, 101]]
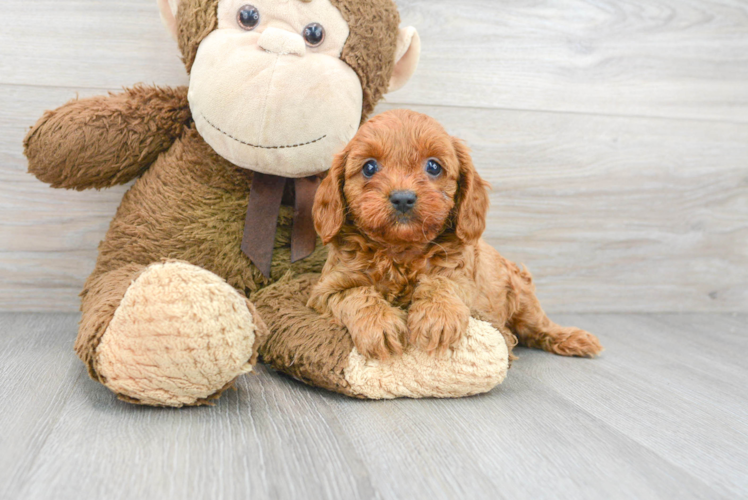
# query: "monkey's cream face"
[[268, 90]]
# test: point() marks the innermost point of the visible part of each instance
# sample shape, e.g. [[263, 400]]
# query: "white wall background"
[[614, 132]]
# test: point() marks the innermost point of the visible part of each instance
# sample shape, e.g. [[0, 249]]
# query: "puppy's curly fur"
[[415, 276]]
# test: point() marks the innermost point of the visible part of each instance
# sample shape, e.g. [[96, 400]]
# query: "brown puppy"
[[404, 209]]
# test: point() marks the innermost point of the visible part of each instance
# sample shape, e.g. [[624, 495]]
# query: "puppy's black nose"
[[403, 201]]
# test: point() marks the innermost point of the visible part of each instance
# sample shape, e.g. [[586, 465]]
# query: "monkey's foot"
[[477, 363], [180, 336]]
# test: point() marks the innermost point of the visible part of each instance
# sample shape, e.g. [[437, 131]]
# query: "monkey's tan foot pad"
[[180, 336], [476, 364], [306, 346]]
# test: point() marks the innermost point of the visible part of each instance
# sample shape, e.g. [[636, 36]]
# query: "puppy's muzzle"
[[403, 201]]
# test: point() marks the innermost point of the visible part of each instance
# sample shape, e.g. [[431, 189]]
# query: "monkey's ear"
[[406, 57], [168, 10]]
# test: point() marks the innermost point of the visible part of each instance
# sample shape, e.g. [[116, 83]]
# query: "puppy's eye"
[[370, 169], [248, 17], [433, 168], [314, 34]]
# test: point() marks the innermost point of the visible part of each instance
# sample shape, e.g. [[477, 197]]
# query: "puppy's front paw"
[[436, 326], [576, 342], [378, 332]]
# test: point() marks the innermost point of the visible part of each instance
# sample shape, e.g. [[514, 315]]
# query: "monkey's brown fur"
[[417, 278], [106, 140], [302, 343], [189, 203], [196, 19], [370, 52]]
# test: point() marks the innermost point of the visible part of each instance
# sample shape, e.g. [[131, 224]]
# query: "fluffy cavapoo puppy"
[[403, 210]]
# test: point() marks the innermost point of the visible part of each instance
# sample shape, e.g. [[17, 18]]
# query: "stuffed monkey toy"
[[181, 301]]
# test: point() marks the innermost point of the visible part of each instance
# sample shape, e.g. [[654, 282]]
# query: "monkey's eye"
[[248, 17], [314, 34], [371, 167], [433, 168]]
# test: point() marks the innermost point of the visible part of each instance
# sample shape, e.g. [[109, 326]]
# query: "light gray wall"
[[614, 132]]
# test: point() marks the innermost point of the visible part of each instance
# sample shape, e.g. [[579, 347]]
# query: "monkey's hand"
[[437, 317], [106, 140]]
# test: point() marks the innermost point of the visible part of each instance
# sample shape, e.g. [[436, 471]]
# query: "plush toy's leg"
[[169, 334], [477, 363], [311, 348]]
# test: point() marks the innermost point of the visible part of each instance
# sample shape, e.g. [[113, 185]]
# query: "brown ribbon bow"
[[265, 198]]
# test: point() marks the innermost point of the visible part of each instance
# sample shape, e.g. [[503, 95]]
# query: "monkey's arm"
[[106, 140]]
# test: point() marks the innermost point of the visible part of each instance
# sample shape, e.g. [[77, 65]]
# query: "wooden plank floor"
[[662, 414]]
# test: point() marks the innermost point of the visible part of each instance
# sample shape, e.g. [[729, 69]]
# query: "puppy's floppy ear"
[[329, 202], [472, 197]]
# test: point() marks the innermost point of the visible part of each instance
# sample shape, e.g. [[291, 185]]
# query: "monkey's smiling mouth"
[[257, 145]]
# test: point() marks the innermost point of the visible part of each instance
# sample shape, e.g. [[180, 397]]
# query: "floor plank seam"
[[52, 426], [572, 112], [630, 439]]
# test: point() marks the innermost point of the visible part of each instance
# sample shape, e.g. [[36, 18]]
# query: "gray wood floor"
[[662, 414]]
